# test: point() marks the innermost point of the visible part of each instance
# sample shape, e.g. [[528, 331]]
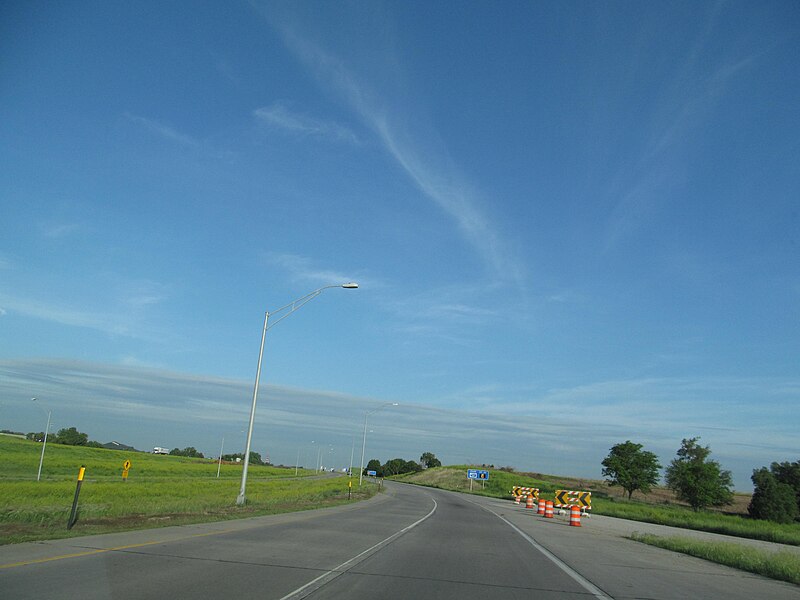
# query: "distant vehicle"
[[158, 450]]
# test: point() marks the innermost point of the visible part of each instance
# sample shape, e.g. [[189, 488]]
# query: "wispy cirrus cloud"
[[63, 315], [165, 131], [279, 116], [420, 153], [124, 312], [681, 110], [56, 230], [303, 268]]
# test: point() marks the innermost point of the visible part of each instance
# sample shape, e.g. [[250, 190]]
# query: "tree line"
[[69, 436], [701, 482], [398, 466]]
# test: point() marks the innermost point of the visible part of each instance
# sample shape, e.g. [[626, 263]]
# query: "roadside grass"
[[453, 478], [500, 483], [163, 490], [712, 522], [781, 565]]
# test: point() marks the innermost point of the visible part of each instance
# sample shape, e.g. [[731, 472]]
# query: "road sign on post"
[[477, 474]]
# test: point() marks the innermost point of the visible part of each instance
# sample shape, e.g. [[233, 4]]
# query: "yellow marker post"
[[125, 468], [73, 517]]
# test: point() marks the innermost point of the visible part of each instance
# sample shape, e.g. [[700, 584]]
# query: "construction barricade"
[[564, 499]]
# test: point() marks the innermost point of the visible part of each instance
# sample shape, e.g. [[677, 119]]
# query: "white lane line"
[[323, 579], [577, 577]]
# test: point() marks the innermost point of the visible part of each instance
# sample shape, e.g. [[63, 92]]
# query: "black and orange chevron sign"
[[573, 498], [524, 492]]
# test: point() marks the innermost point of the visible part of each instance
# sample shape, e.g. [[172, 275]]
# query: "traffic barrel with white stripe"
[[548, 512], [574, 516]]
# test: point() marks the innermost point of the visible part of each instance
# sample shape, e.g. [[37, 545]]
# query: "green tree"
[[429, 460], [190, 451], [696, 479], [374, 465], [412, 467], [772, 500], [398, 466], [632, 468], [71, 437], [255, 457], [788, 473]]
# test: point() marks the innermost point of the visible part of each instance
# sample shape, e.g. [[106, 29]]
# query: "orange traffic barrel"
[[542, 505], [516, 499], [574, 516], [529, 501], [548, 512]]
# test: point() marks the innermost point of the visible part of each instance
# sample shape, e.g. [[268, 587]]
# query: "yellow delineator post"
[[73, 517]]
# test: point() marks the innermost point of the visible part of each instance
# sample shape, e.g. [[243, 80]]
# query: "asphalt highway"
[[408, 543]]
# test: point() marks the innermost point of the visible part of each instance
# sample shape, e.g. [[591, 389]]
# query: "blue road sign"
[[372, 473], [477, 474]]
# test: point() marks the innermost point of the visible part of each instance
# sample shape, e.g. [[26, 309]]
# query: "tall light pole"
[[44, 443], [219, 464], [352, 452], [291, 307], [364, 442]]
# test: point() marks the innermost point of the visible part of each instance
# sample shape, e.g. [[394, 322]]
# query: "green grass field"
[[160, 490]]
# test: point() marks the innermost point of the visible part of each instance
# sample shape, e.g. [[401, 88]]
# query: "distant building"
[[119, 446]]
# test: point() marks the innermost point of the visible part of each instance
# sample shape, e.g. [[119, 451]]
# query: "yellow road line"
[[104, 550]]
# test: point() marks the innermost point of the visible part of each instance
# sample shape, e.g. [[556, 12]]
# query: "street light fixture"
[[364, 442], [291, 307], [44, 443]]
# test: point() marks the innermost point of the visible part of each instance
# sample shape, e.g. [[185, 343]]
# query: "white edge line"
[[345, 564], [577, 577]]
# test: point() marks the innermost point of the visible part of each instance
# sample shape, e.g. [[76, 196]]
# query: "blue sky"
[[572, 223]]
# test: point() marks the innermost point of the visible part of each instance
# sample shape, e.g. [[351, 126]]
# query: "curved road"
[[409, 543]]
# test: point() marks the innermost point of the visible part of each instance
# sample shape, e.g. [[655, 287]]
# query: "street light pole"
[[219, 465], [364, 442], [291, 307], [44, 443], [352, 451]]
